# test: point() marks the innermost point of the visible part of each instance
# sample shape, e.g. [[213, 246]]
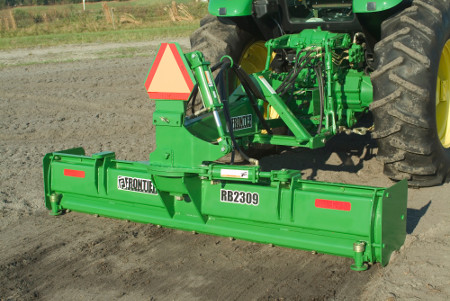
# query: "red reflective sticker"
[[74, 173], [334, 205]]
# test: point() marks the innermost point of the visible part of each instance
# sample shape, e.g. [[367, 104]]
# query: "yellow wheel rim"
[[443, 97], [253, 58]]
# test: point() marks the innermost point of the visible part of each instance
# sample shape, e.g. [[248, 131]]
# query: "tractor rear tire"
[[218, 37], [405, 82]]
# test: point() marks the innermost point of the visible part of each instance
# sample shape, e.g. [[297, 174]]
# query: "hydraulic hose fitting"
[[358, 249], [254, 161]]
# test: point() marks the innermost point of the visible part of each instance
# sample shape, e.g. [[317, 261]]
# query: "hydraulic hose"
[[192, 98], [289, 81], [226, 110], [294, 72], [318, 71], [252, 91]]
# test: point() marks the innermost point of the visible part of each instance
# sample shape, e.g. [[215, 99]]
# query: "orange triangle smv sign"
[[168, 77]]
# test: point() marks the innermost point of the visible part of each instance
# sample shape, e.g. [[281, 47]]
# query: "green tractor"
[[404, 46]]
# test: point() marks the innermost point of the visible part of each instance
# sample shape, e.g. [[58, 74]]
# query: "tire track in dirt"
[[47, 107]]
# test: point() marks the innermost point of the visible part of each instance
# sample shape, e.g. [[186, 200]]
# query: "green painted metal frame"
[[181, 188], [287, 213]]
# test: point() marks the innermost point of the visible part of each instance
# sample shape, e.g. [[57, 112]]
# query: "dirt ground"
[[96, 100]]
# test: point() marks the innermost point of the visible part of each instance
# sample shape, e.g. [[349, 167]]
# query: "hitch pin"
[[363, 130], [359, 131]]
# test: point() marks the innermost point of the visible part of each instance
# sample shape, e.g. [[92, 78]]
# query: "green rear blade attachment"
[[277, 207]]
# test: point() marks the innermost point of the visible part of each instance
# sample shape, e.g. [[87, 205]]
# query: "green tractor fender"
[[226, 8], [368, 6]]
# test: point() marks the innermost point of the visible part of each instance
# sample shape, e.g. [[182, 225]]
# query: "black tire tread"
[[419, 26], [404, 93], [412, 53], [216, 39], [429, 7]]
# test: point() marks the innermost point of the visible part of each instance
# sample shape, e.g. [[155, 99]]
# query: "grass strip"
[[125, 35]]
